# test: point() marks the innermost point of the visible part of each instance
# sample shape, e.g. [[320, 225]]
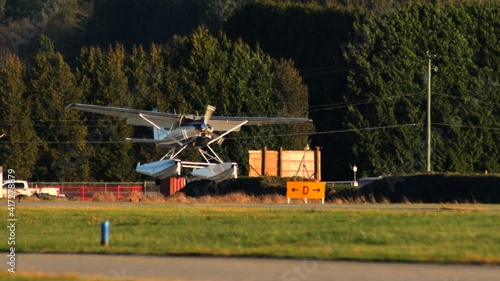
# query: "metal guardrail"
[[99, 183], [149, 185], [86, 190], [353, 183]]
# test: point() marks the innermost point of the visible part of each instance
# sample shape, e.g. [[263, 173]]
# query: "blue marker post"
[[105, 233]]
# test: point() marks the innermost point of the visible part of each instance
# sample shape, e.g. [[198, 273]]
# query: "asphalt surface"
[[295, 205], [122, 267], [311, 205], [127, 267]]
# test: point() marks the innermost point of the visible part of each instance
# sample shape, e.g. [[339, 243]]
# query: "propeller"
[[206, 118], [208, 114]]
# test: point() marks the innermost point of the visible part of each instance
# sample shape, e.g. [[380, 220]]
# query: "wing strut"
[[172, 154], [227, 132], [160, 129], [207, 156], [211, 155]]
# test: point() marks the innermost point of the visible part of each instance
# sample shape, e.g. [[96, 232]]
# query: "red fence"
[[87, 192]]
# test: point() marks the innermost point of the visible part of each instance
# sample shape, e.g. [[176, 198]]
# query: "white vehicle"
[[22, 188]]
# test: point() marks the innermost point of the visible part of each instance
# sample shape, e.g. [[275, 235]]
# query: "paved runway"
[[313, 205], [118, 267]]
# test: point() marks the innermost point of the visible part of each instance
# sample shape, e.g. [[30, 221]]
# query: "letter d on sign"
[[305, 189], [105, 233]]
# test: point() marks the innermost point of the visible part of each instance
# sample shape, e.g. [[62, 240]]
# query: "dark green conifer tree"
[[19, 146], [51, 87]]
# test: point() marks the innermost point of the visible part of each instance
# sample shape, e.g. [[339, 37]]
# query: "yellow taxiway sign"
[[305, 189]]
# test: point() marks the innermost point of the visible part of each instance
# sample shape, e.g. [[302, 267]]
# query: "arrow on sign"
[[317, 190], [294, 189]]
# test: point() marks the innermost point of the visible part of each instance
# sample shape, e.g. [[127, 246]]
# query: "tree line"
[[363, 65], [392, 70], [46, 142]]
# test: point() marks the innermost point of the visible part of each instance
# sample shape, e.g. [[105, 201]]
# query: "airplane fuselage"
[[192, 135]]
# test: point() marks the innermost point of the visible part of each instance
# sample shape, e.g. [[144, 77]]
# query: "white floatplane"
[[186, 132]]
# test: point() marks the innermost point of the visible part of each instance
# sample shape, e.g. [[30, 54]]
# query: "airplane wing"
[[165, 120], [133, 117], [220, 123]]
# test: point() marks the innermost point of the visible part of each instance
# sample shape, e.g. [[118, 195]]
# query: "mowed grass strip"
[[451, 236]]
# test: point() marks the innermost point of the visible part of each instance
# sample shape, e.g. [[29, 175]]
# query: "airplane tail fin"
[[159, 134]]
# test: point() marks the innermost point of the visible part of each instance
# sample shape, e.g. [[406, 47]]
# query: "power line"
[[465, 98], [467, 126], [344, 104], [64, 126], [237, 138], [331, 132], [45, 121], [356, 103], [330, 72], [325, 67], [338, 104], [279, 135], [65, 142]]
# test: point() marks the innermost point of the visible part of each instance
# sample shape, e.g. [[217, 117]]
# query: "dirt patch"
[[135, 196], [236, 197]]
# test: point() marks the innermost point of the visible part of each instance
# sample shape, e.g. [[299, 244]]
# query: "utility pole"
[[429, 58]]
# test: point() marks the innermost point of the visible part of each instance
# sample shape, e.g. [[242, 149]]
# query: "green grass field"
[[451, 236]]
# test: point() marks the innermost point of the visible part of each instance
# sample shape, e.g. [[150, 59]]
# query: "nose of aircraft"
[[206, 128]]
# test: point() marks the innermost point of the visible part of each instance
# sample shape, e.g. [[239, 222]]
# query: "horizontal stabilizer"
[[141, 140], [159, 134]]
